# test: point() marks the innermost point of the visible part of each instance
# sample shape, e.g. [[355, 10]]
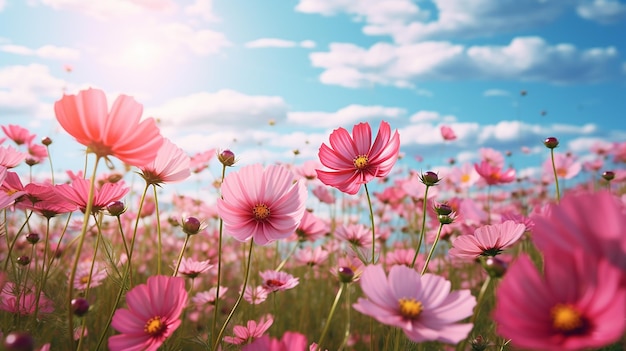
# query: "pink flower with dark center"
[[311, 228], [291, 341], [421, 305], [118, 132], [78, 193], [18, 134], [355, 234], [354, 160], [312, 256], [447, 133], [278, 281], [152, 316], [23, 300], [255, 295], [578, 304], [265, 204], [192, 268], [488, 240], [208, 297], [170, 165], [252, 331]]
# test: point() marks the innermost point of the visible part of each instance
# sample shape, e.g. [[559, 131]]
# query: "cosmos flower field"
[[342, 252]]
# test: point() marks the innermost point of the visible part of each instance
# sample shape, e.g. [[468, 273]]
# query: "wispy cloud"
[[46, 51], [345, 116], [279, 43]]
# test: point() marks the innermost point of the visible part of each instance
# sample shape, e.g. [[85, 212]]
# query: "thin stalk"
[[83, 234], [219, 266], [556, 177], [6, 263], [180, 256], [369, 203], [348, 308], [158, 223], [330, 316], [432, 249], [419, 244], [232, 311], [284, 261]]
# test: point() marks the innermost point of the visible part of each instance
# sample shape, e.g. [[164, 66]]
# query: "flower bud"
[[443, 209], [429, 178], [23, 260], [495, 267], [551, 142], [227, 158], [46, 141], [191, 225], [445, 219], [479, 343], [345, 274], [18, 341], [80, 306], [116, 208], [608, 175], [32, 238]]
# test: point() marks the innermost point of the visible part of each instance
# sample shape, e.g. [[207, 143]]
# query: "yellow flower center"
[[410, 308], [360, 161], [261, 212], [566, 319], [561, 172], [465, 178], [154, 326], [84, 279]]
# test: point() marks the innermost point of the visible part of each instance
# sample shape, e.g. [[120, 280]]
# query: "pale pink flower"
[[265, 204], [566, 167], [255, 295], [10, 157], [492, 156], [421, 305], [208, 297], [291, 341], [355, 234], [23, 300], [312, 256], [278, 280], [118, 132], [578, 303], [250, 332], [488, 240], [18, 134], [447, 133], [311, 227], [355, 160], [308, 170], [192, 268], [84, 271], [152, 316], [200, 161], [323, 194], [494, 174], [170, 165], [78, 193]]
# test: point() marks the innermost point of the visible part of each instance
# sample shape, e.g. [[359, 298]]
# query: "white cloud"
[[46, 51], [2, 4], [112, 8], [588, 128], [202, 9], [430, 116], [525, 58], [279, 43], [496, 92], [346, 116], [373, 11], [226, 110], [602, 11]]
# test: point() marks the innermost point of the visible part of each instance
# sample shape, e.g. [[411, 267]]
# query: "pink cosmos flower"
[[192, 268], [354, 160], [493, 174], [10, 157], [200, 161], [152, 316], [251, 331], [356, 234], [36, 154], [323, 194], [447, 133], [566, 167], [118, 132], [312, 256], [578, 304], [170, 165], [266, 204], [255, 295], [422, 306], [291, 341], [278, 281], [208, 297], [78, 192], [594, 222], [311, 227], [18, 134], [488, 240], [23, 301]]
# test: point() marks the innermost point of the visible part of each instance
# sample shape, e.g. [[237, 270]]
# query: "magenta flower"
[[593, 222], [118, 132], [488, 240], [278, 281], [422, 306], [291, 341], [170, 165], [265, 204], [152, 316], [493, 174], [18, 134], [250, 332], [23, 301], [354, 160], [78, 193], [578, 304]]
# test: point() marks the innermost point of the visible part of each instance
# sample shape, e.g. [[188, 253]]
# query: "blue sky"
[[215, 73]]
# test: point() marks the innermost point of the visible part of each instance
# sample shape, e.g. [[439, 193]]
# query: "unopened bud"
[[227, 158], [116, 208], [345, 274], [429, 178], [46, 141], [191, 225], [608, 175], [551, 142]]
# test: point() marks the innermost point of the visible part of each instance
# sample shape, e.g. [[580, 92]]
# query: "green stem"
[[369, 203], [83, 234], [243, 290], [158, 223], [284, 261], [8, 259], [219, 267], [419, 244], [180, 256], [556, 177], [432, 249], [348, 308], [330, 316]]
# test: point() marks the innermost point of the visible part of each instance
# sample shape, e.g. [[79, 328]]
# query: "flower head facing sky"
[[152, 316], [488, 240], [422, 306], [354, 160], [264, 204], [118, 132]]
